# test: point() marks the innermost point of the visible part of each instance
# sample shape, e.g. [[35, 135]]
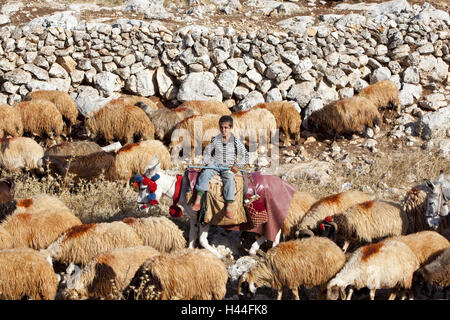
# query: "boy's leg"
[[229, 189], [202, 185]]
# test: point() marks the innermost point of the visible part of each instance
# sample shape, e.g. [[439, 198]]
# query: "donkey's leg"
[[193, 232], [203, 231], [255, 246]]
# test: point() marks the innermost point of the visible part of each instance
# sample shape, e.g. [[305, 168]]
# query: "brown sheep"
[[300, 204], [123, 123], [287, 117], [25, 273], [10, 122], [73, 148], [165, 121], [127, 100], [107, 274], [205, 126], [382, 93], [41, 118], [310, 262], [63, 102], [186, 274], [20, 153], [87, 167], [347, 115], [133, 158], [254, 122], [158, 232], [207, 106]]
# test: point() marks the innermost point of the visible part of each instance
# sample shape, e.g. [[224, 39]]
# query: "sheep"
[[288, 119], [207, 106], [433, 275], [21, 153], [10, 122], [347, 116], [425, 244], [82, 167], [166, 119], [186, 274], [204, 126], [300, 204], [26, 273], [382, 93], [37, 230], [63, 102], [254, 122], [370, 220], [142, 102], [119, 122], [6, 239], [41, 118], [329, 206], [7, 189], [106, 275], [73, 148], [158, 232], [81, 243], [133, 158], [388, 264], [310, 262]]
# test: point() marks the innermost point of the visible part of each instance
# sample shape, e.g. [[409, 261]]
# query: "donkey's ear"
[[429, 184], [153, 166], [441, 177]]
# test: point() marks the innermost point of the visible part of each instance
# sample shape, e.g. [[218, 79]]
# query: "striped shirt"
[[226, 154]]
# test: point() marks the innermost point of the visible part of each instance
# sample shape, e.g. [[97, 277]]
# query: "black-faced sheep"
[[329, 206], [347, 116], [134, 158], [158, 232], [106, 275], [207, 106], [73, 148], [63, 102], [310, 262], [382, 93], [122, 123], [166, 119], [41, 118], [26, 273], [10, 122], [187, 274], [434, 275], [388, 264], [20, 153], [287, 117], [81, 243]]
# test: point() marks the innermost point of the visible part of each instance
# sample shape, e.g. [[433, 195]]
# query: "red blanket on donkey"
[[277, 195]]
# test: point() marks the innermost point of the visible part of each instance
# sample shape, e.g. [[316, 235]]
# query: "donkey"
[[167, 185], [438, 200]]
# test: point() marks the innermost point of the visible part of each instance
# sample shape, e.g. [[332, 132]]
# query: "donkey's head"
[[147, 184], [438, 200]]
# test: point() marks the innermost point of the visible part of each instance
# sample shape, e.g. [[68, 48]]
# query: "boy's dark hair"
[[226, 119]]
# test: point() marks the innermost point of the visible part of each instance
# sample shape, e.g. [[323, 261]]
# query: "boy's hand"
[[234, 169]]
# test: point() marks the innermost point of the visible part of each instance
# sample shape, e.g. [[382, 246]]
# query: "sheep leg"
[[255, 246], [350, 293], [393, 295], [372, 294], [295, 293], [279, 294], [346, 244], [277, 239], [204, 240]]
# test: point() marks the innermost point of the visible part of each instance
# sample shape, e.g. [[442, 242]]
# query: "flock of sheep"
[[385, 244]]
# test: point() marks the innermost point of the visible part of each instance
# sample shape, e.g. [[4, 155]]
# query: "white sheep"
[[81, 243], [186, 274], [26, 273], [158, 232], [310, 262], [388, 264], [20, 153], [106, 275]]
